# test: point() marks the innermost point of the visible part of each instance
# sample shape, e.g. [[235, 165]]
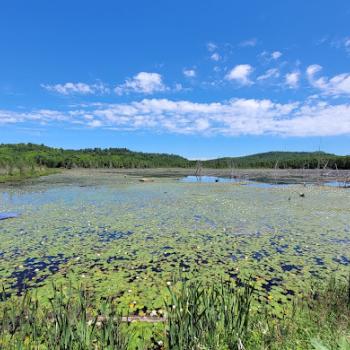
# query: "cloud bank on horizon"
[[232, 118]]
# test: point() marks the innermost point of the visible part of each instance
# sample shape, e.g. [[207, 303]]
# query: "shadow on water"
[[343, 260], [111, 236], [28, 276]]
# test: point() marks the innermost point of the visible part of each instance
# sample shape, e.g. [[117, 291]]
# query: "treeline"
[[29, 155], [21, 157], [283, 160]]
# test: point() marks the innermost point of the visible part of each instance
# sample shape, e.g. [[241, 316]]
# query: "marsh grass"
[[71, 320], [319, 320], [204, 316], [200, 316]]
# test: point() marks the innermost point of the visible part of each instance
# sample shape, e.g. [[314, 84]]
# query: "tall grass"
[[208, 316], [72, 320], [318, 320], [200, 316]]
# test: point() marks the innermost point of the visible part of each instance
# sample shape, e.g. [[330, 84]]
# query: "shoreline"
[[280, 176]]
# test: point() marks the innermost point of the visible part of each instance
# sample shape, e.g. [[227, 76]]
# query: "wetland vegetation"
[[214, 316], [116, 247]]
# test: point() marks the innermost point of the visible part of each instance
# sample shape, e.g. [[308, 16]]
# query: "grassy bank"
[[198, 316]]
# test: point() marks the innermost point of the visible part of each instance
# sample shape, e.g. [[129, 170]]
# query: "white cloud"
[[249, 43], [189, 73], [269, 56], [292, 79], [215, 57], [143, 82], [312, 70], [269, 74], [94, 123], [77, 88], [240, 74], [41, 116], [211, 46], [337, 85], [231, 118], [276, 55]]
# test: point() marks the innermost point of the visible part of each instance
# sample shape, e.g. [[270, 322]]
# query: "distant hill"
[[86, 158], [32, 155], [308, 160]]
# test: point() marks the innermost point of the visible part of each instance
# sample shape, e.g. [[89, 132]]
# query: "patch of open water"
[[260, 184], [9, 215], [241, 181]]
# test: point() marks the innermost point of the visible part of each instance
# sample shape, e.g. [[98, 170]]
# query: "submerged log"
[[145, 179]]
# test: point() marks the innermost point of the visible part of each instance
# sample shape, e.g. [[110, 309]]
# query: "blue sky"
[[197, 78]]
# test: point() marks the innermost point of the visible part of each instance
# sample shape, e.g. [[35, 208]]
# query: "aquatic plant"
[[124, 240]]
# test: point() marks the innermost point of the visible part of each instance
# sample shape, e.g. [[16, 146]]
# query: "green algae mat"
[[127, 239]]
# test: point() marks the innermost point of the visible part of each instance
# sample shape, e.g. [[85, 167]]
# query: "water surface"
[[127, 238]]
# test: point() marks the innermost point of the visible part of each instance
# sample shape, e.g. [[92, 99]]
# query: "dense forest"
[[24, 155], [283, 160], [21, 157]]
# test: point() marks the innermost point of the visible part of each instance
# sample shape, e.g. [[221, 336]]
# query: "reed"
[[200, 316], [204, 316]]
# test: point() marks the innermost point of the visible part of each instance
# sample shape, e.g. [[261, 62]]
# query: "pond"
[[126, 238]]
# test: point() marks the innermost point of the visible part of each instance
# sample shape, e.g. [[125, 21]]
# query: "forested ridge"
[[18, 157], [40, 155], [283, 160]]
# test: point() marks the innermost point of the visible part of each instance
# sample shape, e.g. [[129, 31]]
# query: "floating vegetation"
[[123, 233], [111, 236], [33, 272]]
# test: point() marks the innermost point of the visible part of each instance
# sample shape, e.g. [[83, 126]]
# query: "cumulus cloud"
[[292, 79], [143, 82], [337, 85], [77, 88], [240, 74], [189, 73], [231, 118]]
